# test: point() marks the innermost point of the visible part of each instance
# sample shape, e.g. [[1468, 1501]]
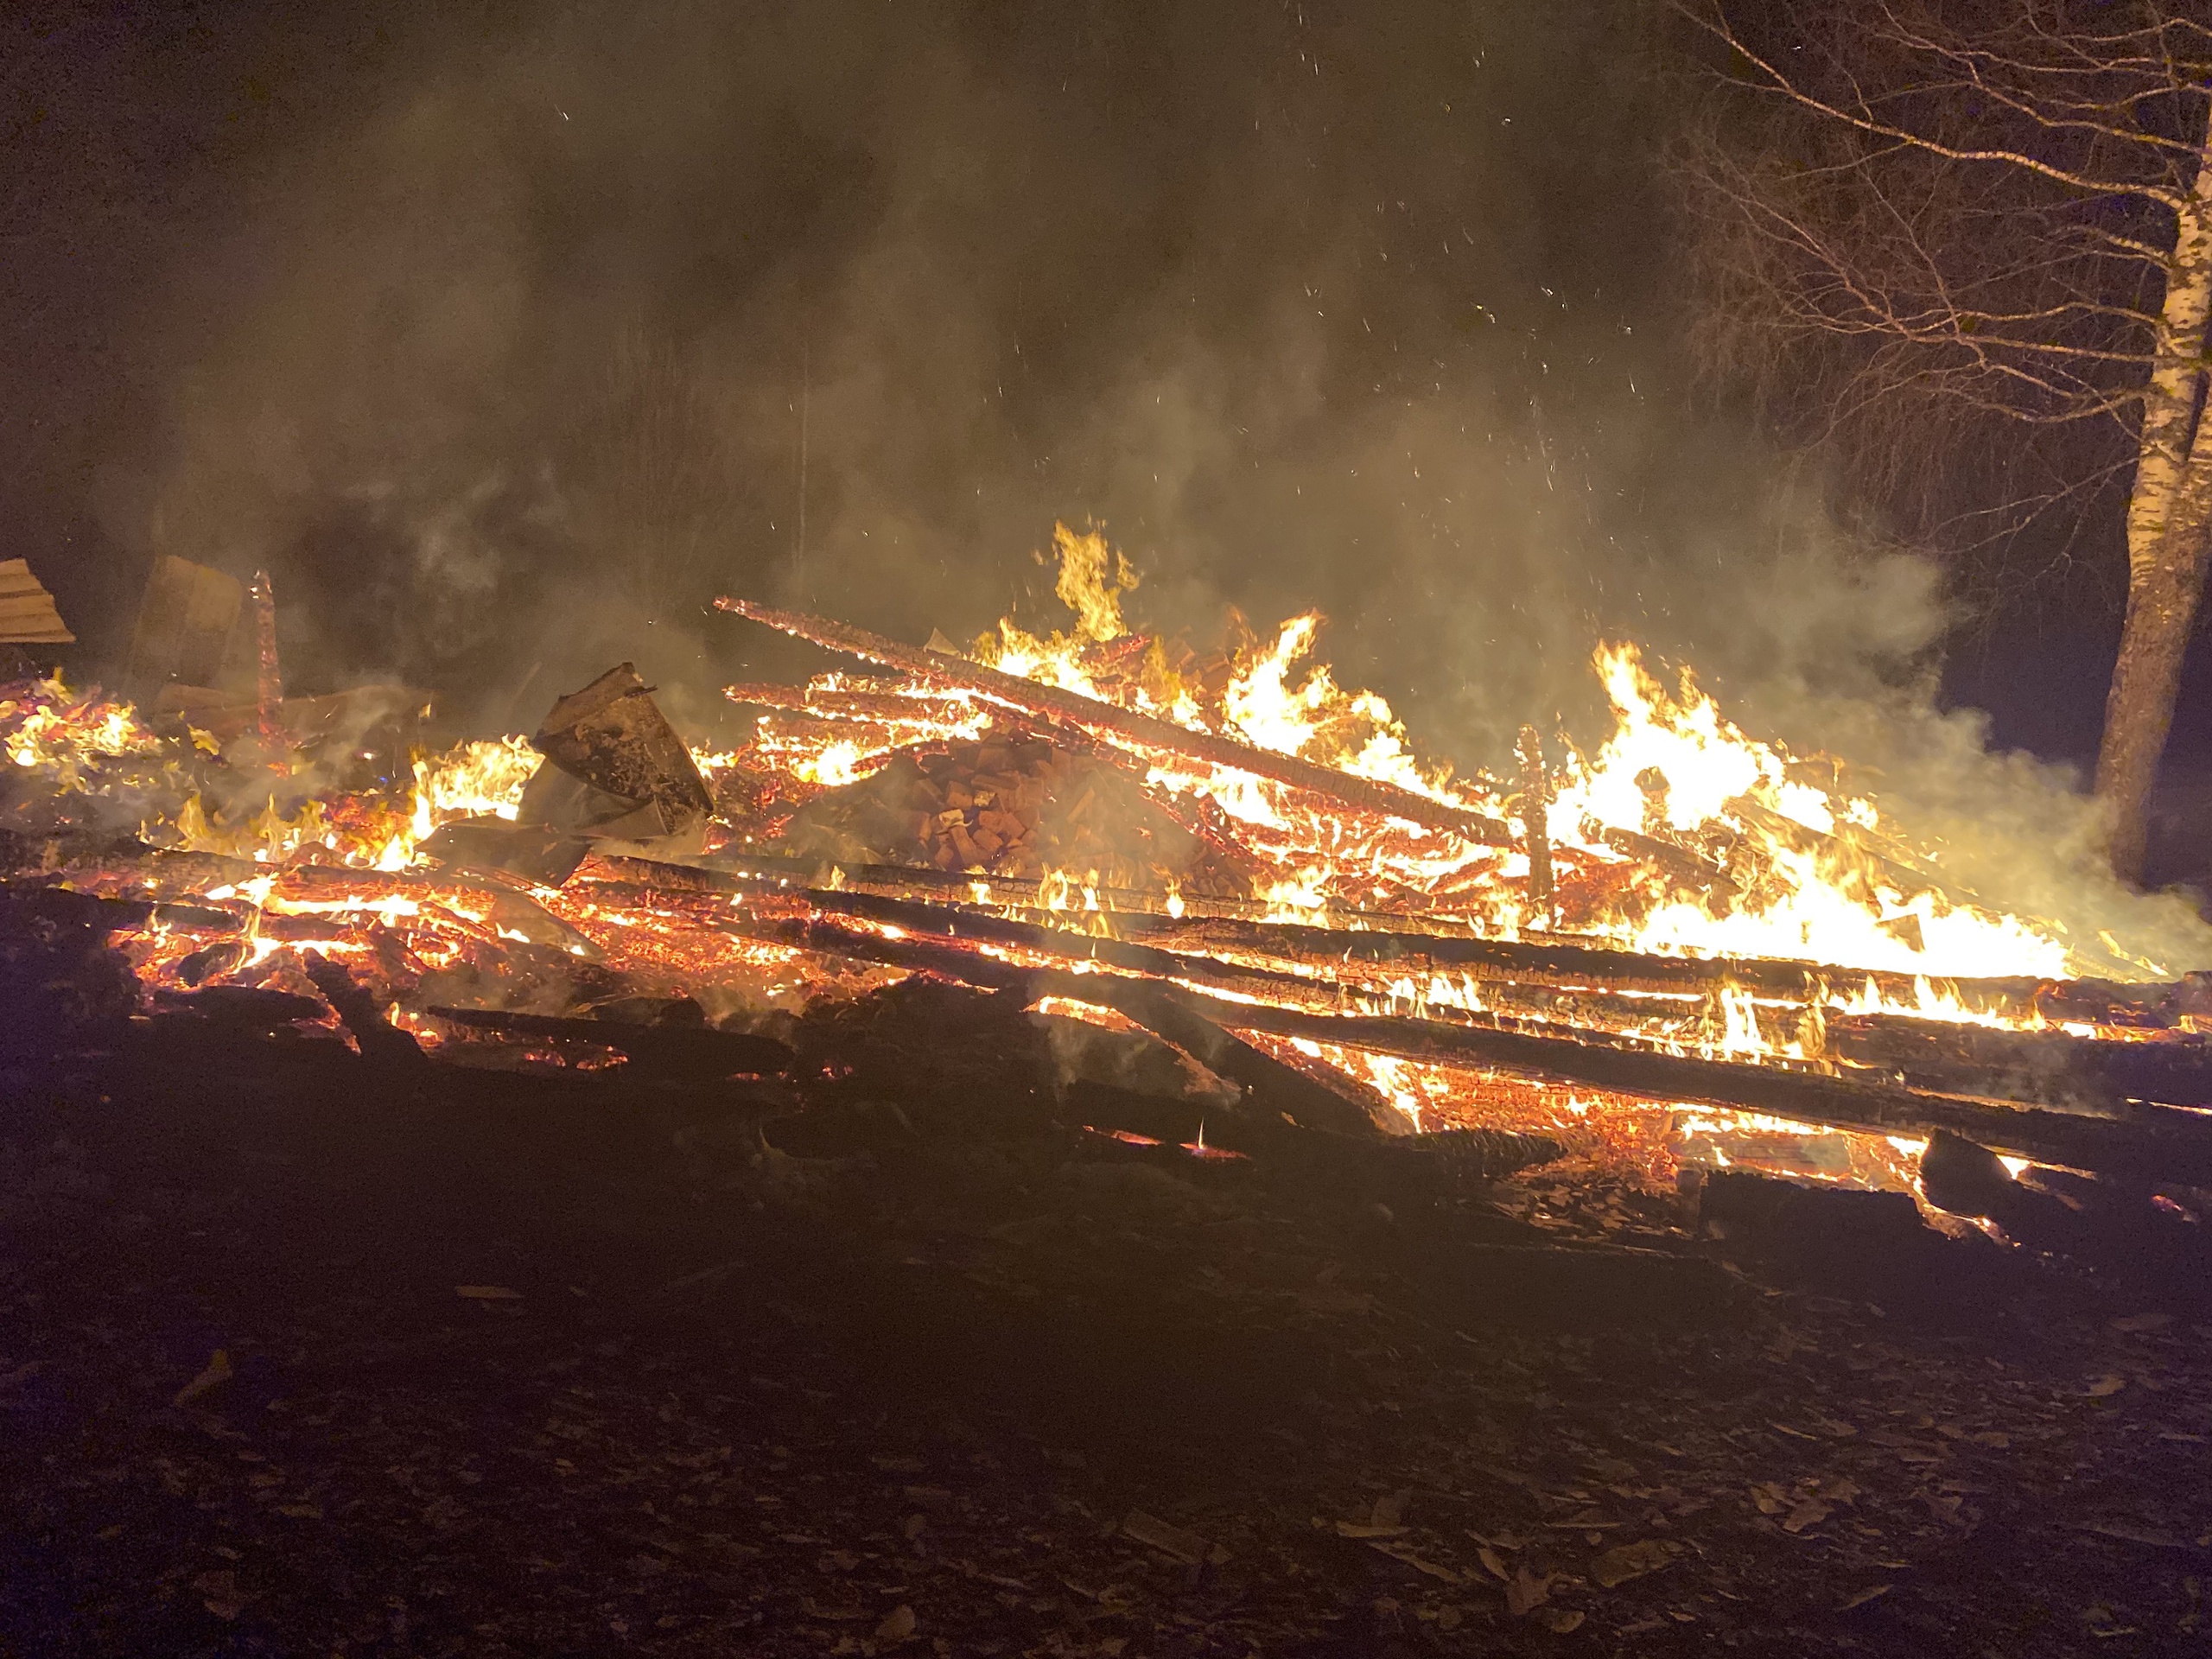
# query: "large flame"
[[1676, 765]]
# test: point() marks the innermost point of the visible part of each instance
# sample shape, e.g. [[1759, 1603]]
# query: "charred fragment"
[[1535, 799], [241, 1008], [1429, 1165], [613, 737], [1833, 1239]]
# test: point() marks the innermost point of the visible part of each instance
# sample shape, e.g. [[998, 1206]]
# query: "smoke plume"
[[515, 335]]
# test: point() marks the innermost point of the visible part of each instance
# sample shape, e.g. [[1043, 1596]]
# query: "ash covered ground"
[[311, 1353]]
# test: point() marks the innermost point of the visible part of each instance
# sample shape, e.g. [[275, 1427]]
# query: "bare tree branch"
[[1964, 247]]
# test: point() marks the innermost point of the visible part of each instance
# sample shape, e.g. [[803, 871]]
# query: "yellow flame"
[[1085, 586], [57, 732], [1675, 763], [484, 778], [840, 763]]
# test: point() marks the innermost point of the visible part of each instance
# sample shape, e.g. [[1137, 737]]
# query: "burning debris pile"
[[1685, 951]]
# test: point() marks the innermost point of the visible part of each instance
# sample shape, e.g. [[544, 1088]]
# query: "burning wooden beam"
[[1536, 796], [1944, 1058], [1394, 941], [2054, 1067], [2147, 1143], [2151, 1144], [269, 674], [950, 922], [1394, 944], [1126, 727], [883, 707]]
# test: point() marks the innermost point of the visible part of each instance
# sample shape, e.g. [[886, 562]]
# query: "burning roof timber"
[[1686, 941]]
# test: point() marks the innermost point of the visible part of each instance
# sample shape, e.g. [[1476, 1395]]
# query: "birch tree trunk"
[[2169, 536]]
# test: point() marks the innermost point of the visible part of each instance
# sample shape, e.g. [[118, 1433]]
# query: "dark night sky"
[[487, 328]]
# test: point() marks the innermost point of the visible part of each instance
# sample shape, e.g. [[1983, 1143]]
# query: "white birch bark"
[[2168, 515]]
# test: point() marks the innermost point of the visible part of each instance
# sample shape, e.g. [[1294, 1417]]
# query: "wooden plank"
[[27, 613]]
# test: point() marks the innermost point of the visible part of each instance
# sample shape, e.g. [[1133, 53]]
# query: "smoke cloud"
[[520, 333], [522, 348]]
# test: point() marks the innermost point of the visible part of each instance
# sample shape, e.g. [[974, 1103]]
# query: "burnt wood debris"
[[619, 810], [1171, 1099]]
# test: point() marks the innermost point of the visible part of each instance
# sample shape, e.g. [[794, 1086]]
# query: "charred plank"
[[2054, 1067], [240, 1007], [378, 1039], [2146, 1142]]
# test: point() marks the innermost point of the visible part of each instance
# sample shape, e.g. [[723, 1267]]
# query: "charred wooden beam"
[[1318, 989], [109, 915], [1268, 1081], [665, 1049], [327, 892], [380, 1040], [2147, 1143], [952, 922], [1679, 863], [239, 1007], [1126, 727], [2054, 1067], [1393, 942], [269, 674], [503, 907], [1382, 938], [1270, 1084], [882, 708], [1436, 1162], [1551, 963]]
